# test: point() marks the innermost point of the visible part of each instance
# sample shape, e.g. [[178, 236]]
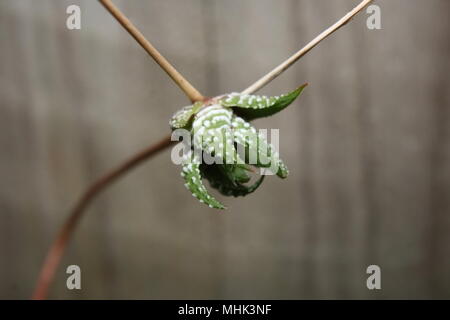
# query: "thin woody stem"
[[59, 245], [184, 85], [290, 61]]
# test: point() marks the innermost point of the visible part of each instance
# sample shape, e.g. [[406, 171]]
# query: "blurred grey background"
[[368, 147]]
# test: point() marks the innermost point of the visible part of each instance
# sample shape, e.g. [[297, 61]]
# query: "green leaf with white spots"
[[211, 129], [218, 130], [183, 117], [252, 107], [258, 151], [193, 182]]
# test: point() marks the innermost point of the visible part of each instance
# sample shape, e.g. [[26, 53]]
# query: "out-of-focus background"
[[368, 147]]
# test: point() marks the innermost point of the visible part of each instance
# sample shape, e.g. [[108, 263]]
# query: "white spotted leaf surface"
[[193, 182], [263, 153], [183, 117], [252, 107], [212, 132], [220, 130]]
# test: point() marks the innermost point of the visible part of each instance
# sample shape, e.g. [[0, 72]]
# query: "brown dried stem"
[[58, 247], [294, 58], [184, 85]]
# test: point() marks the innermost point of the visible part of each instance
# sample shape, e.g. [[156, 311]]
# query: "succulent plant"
[[220, 129]]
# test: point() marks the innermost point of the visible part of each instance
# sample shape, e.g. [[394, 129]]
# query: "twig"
[[184, 85], [290, 61], [58, 247]]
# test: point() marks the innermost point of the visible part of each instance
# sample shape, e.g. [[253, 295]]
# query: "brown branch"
[[59, 245], [184, 85], [294, 58]]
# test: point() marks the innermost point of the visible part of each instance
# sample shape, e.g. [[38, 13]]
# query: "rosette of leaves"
[[220, 129]]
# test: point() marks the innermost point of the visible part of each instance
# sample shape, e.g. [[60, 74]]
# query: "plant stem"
[[59, 245], [290, 61], [184, 85]]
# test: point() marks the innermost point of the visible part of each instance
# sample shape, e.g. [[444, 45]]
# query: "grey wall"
[[368, 147]]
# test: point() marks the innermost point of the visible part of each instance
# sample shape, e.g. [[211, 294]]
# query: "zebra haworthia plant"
[[220, 129]]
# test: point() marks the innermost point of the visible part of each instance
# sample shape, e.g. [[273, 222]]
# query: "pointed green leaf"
[[182, 118], [193, 182], [258, 151], [252, 107]]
